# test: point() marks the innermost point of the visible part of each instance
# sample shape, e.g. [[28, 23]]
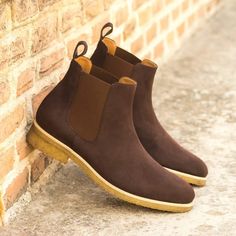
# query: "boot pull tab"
[[107, 32], [80, 43]]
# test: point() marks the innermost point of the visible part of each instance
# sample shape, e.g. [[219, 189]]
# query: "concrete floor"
[[195, 98]]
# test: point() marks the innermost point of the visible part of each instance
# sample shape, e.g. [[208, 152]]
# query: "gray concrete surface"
[[195, 98]]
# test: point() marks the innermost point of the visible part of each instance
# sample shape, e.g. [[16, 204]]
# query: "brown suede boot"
[[159, 144], [89, 120]]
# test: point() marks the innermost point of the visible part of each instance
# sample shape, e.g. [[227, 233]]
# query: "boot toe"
[[183, 192], [173, 189], [187, 193], [199, 167]]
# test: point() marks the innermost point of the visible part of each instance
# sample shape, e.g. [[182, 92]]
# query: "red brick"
[[176, 13], [137, 3], [37, 99], [51, 62], [181, 29], [159, 50], [22, 9], [129, 28], [158, 6], [23, 148], [5, 54], [6, 162], [152, 33], [45, 3], [145, 15], [44, 33], [1, 209], [5, 16], [13, 50], [16, 188], [25, 80], [164, 23], [92, 8], [121, 15], [167, 2], [18, 47], [108, 4], [137, 45], [4, 91], [185, 5], [37, 167], [12, 121], [71, 18]]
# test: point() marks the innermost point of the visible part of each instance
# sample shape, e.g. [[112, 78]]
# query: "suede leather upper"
[[114, 150], [159, 144]]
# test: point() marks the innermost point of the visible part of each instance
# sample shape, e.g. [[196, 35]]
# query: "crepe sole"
[[192, 179], [52, 147]]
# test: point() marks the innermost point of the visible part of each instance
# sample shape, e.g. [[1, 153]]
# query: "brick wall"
[[37, 38]]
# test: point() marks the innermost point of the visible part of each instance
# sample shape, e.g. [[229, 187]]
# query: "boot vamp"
[[165, 150], [128, 166]]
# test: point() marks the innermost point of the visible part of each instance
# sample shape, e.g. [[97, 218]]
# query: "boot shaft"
[[77, 104], [119, 62]]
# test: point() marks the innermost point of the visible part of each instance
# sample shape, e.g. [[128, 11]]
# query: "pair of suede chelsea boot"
[[100, 115]]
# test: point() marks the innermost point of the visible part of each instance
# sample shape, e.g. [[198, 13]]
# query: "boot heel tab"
[[127, 80], [83, 52], [111, 45], [149, 63], [108, 28], [85, 64]]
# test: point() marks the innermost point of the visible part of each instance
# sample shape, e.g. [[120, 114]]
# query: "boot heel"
[[45, 144]]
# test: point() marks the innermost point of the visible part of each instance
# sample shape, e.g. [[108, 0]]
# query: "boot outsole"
[[191, 179], [52, 147]]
